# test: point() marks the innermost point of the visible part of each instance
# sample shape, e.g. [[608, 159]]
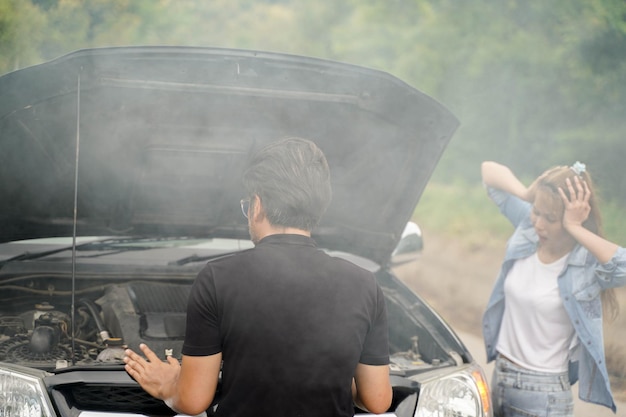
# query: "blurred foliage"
[[534, 84], [464, 212]]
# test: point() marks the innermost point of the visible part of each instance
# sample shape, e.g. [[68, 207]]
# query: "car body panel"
[[153, 140]]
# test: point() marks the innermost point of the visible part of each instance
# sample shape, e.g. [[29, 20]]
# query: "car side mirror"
[[410, 245]]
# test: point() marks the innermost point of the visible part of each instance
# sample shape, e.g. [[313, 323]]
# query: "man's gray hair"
[[292, 179]]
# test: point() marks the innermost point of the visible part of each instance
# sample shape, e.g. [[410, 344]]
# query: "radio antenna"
[[75, 220]]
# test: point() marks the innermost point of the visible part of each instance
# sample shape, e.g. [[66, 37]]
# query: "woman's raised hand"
[[576, 207]]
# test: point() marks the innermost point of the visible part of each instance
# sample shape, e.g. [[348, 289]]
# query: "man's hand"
[[156, 377]]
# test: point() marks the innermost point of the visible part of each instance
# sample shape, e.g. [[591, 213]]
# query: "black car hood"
[[153, 140]]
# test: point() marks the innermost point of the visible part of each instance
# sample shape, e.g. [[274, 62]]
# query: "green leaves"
[[533, 83]]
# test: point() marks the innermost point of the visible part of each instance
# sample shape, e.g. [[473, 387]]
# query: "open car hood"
[[153, 141]]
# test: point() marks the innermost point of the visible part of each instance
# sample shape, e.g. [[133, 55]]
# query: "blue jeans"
[[519, 392]]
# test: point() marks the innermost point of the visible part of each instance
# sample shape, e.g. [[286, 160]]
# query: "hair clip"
[[578, 168]]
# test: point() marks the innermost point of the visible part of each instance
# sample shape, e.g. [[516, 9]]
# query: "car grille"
[[127, 399]]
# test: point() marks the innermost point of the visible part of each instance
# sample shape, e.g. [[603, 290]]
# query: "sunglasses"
[[245, 206]]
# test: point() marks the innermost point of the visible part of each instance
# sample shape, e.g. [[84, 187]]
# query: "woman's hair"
[[555, 178]]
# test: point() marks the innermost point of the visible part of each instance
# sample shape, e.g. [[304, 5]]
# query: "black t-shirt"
[[292, 323]]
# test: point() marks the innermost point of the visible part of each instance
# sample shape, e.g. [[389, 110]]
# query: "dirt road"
[[456, 280]]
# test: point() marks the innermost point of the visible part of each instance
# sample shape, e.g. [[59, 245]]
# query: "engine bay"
[[37, 329], [39, 332]]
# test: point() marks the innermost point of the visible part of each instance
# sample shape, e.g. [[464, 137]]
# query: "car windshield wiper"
[[195, 258], [97, 245]]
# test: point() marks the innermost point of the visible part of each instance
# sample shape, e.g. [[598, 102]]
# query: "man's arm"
[[371, 388], [187, 388]]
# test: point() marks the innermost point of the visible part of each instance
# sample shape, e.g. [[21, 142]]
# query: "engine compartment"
[[38, 331]]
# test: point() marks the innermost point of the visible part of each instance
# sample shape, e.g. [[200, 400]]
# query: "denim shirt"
[[580, 285]]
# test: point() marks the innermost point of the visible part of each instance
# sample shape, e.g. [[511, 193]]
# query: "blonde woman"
[[543, 322]]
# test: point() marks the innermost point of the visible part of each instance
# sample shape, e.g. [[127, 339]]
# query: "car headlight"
[[460, 395], [22, 395]]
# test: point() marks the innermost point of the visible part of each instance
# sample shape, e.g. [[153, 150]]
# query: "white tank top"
[[536, 331]]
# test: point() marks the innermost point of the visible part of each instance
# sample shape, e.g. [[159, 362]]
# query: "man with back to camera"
[[300, 333]]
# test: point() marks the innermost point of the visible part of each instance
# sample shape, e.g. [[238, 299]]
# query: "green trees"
[[533, 83]]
